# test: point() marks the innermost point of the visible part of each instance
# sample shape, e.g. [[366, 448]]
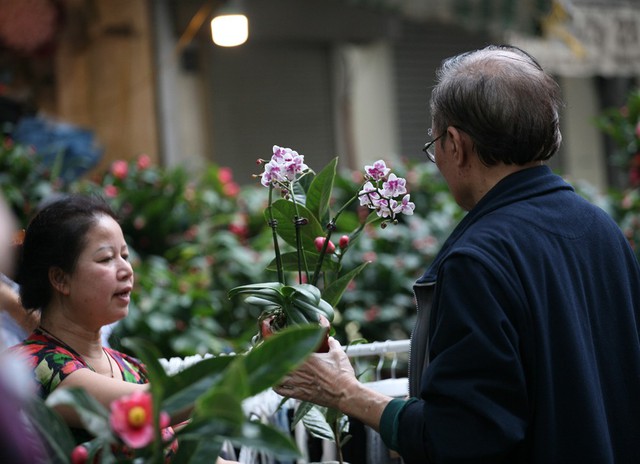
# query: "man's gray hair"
[[504, 100]]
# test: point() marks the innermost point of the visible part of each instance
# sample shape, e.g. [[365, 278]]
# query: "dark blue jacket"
[[526, 348]]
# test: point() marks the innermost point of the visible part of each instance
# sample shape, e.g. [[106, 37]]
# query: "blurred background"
[[348, 77], [132, 98]]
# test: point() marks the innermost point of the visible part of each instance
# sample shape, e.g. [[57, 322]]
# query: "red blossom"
[[371, 314], [119, 169], [111, 191], [225, 175], [144, 161], [132, 419], [239, 230], [231, 189], [344, 242]]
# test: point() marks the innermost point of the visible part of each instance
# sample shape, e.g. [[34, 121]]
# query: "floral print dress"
[[52, 362]]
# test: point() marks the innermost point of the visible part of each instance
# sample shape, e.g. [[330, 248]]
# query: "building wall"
[[104, 76]]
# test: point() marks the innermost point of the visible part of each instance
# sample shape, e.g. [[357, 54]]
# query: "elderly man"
[[526, 346]]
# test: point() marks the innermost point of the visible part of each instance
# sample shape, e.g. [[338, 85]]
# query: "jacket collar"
[[515, 187]]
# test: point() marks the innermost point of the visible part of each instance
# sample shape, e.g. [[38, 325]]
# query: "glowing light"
[[230, 30]]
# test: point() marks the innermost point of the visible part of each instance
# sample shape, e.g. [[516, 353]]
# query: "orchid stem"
[[330, 228], [302, 259], [274, 225]]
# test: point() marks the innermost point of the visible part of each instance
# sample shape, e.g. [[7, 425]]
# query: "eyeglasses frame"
[[427, 146]]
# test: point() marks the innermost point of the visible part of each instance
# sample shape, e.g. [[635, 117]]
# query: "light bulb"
[[230, 30]]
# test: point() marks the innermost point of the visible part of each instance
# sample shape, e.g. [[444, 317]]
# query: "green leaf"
[[319, 193], [52, 428], [267, 363], [223, 403], [284, 211], [197, 452], [182, 389], [266, 439], [303, 408], [93, 415], [316, 424], [334, 291]]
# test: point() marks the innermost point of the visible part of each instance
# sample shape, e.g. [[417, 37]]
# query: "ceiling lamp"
[[230, 27]]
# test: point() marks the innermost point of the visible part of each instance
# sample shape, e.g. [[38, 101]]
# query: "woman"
[[75, 267]]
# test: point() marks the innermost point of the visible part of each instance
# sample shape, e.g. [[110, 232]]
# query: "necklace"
[[68, 348]]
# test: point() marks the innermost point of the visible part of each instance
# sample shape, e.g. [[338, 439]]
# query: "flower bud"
[[344, 242], [79, 455], [319, 243]]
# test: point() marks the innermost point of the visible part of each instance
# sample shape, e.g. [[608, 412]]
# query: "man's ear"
[[58, 280], [462, 147]]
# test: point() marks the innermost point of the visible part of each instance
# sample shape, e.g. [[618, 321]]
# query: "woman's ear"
[[58, 280]]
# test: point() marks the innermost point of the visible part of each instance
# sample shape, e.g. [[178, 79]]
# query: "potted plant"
[[304, 218]]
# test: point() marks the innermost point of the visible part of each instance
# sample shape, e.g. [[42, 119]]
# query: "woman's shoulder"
[[50, 362], [133, 370]]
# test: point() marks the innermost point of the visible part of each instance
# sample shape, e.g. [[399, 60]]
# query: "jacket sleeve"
[[473, 404]]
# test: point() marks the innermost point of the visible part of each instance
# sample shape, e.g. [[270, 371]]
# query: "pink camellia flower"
[[144, 161], [132, 419], [344, 242], [119, 169], [231, 189], [111, 191], [225, 175], [319, 243]]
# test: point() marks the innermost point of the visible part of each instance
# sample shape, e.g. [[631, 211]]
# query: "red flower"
[[225, 175], [231, 189], [344, 242], [132, 419], [119, 169], [111, 191], [144, 161]]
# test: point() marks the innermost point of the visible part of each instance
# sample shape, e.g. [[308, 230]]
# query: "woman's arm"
[[105, 390]]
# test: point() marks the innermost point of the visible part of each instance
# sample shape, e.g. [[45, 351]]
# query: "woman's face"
[[99, 289]]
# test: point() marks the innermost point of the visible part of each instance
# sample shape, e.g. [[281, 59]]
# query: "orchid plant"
[[302, 217]]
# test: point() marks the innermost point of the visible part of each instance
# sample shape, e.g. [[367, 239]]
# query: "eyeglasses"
[[430, 148]]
